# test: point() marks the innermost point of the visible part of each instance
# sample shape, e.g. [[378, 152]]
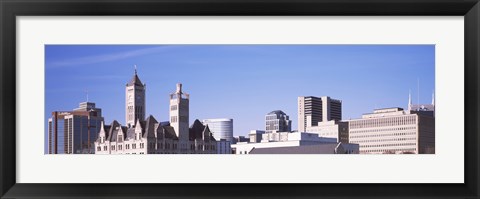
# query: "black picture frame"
[[9, 9]]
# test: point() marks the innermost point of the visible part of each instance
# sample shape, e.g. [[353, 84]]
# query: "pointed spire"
[[135, 80], [433, 98]]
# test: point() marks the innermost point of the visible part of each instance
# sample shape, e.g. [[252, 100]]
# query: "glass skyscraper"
[[73, 132], [221, 128]]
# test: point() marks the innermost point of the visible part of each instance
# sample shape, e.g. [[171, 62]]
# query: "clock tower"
[[134, 100]]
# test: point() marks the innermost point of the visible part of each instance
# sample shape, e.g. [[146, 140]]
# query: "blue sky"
[[243, 82]]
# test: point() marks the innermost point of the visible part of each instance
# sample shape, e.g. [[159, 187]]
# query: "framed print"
[[246, 99]]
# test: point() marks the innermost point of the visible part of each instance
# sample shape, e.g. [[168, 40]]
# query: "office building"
[[312, 110], [277, 121], [221, 128], [330, 129], [224, 147], [393, 130], [73, 132]]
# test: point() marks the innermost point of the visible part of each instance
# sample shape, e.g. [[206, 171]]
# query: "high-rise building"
[[74, 132], [277, 121], [221, 128], [135, 101], [179, 112], [393, 130], [312, 110]]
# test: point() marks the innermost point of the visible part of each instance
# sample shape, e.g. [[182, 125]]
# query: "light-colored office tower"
[[221, 128], [312, 110], [277, 121], [134, 101], [74, 132], [393, 130]]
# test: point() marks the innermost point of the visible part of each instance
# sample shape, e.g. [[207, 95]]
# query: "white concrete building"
[[281, 139], [393, 130], [255, 135], [330, 129]]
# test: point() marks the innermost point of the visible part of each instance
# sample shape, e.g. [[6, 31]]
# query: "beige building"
[[330, 129], [393, 130]]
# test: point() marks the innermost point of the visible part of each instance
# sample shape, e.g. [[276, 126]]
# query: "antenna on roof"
[[433, 97], [409, 99], [86, 92], [418, 91], [135, 68]]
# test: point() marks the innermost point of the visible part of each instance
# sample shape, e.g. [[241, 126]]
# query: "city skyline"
[[242, 82]]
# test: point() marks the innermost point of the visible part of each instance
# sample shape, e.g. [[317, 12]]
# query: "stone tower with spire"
[[134, 100], [179, 115]]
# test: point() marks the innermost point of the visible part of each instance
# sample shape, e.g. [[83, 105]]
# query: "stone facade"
[[148, 136]]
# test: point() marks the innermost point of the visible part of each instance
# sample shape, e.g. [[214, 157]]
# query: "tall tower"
[[179, 114], [134, 100], [312, 110]]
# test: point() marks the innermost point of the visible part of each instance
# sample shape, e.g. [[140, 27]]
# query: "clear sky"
[[243, 82]]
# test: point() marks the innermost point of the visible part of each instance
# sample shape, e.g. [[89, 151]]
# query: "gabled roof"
[[169, 132], [135, 81], [130, 134], [106, 128], [199, 131], [117, 131], [149, 127], [195, 130], [111, 129]]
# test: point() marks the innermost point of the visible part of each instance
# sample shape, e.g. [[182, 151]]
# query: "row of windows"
[[385, 140], [383, 135], [383, 122], [388, 145], [382, 130], [411, 150], [152, 146]]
